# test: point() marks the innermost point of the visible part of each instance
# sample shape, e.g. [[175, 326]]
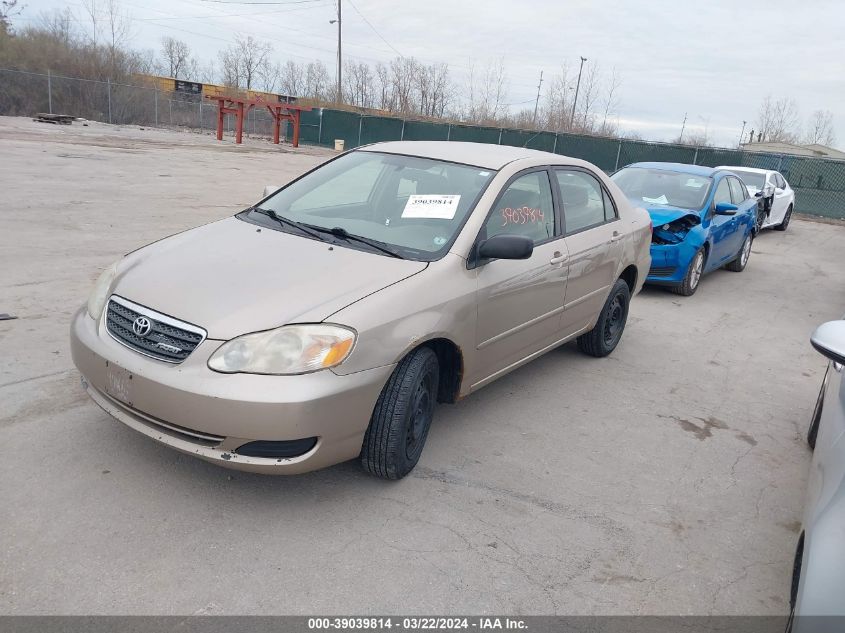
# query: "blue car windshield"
[[663, 187]]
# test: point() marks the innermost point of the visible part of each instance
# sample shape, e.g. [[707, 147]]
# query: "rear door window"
[[737, 191], [584, 202]]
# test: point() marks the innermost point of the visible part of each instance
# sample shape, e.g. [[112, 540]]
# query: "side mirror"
[[506, 247], [268, 189], [829, 340], [759, 194], [726, 208]]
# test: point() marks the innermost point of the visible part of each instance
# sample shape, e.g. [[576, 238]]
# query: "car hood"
[[231, 278], [664, 215]]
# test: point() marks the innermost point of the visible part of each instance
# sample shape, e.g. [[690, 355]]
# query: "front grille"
[[661, 271], [167, 339]]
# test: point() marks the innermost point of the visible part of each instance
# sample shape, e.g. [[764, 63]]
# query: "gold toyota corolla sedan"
[[326, 322]]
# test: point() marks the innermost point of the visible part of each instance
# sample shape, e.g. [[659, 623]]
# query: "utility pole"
[[537, 102], [683, 126], [339, 56], [577, 87], [741, 134]]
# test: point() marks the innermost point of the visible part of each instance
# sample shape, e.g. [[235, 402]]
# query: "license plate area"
[[119, 383]]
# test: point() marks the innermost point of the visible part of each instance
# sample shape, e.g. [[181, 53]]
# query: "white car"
[[776, 196]]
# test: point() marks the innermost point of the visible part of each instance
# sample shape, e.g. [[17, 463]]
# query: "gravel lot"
[[666, 479]]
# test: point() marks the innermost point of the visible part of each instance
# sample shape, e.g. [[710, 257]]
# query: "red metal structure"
[[240, 107]]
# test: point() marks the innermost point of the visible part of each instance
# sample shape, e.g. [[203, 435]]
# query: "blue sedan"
[[702, 219]]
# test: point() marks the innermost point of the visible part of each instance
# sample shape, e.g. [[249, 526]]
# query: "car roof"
[[753, 170], [683, 168], [484, 155]]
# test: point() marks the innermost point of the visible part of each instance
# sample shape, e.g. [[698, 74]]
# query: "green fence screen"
[[819, 183]]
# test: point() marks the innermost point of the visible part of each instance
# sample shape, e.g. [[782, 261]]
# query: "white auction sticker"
[[431, 207]]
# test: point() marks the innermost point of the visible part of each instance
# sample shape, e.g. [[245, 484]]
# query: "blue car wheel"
[[741, 259], [689, 284]]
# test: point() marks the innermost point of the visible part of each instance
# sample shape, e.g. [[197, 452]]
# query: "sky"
[[713, 62]]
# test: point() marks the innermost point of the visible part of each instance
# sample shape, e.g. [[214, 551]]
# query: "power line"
[[370, 24], [231, 15]]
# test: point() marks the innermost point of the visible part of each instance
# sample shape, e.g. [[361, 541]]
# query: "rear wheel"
[[738, 264], [402, 417], [786, 218], [689, 285], [605, 336]]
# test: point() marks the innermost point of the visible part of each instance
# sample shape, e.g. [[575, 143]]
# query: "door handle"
[[615, 237], [558, 258]]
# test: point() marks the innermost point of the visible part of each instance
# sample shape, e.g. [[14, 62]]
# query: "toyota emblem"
[[142, 326]]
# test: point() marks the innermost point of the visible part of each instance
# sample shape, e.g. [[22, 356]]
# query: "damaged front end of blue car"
[[676, 237]]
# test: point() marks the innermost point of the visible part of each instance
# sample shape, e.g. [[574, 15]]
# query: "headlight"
[[291, 349], [97, 300]]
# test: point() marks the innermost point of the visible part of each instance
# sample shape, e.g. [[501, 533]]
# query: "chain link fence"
[[26, 94], [819, 183]]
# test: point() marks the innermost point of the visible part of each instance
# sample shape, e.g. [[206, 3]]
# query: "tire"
[[402, 417], [605, 336], [813, 431], [691, 280], [741, 260], [786, 218]]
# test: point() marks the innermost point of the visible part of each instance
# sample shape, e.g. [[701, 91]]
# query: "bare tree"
[[558, 101], [176, 56], [60, 25], [8, 9], [384, 88], [588, 97], [358, 84], [778, 121], [203, 73], [292, 79], [611, 104], [119, 24], [317, 81], [820, 128], [90, 7], [243, 61], [230, 68], [270, 75], [487, 92]]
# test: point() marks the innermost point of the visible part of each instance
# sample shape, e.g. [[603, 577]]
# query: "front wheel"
[[605, 336], [402, 417], [738, 264], [786, 218], [689, 285]]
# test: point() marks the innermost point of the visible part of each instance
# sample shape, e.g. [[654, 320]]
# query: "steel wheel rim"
[[746, 251], [422, 410], [697, 267], [615, 320]]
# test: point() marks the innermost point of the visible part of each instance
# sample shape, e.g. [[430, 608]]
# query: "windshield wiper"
[[287, 222], [343, 234]]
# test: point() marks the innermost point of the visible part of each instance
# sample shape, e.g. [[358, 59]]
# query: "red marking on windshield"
[[522, 215]]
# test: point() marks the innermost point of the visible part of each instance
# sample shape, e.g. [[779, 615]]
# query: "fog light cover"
[[277, 449]]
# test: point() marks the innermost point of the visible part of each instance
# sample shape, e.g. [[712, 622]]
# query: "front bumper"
[[669, 263], [209, 415]]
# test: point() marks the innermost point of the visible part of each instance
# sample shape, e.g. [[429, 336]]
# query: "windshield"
[[667, 188], [416, 204], [751, 179]]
